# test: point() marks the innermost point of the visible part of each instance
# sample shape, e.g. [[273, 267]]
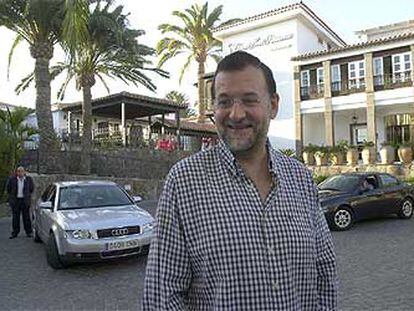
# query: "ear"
[[274, 105]]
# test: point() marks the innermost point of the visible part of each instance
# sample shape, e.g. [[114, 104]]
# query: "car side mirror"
[[136, 198], [46, 205]]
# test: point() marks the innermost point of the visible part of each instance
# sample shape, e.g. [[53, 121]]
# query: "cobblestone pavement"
[[376, 266]]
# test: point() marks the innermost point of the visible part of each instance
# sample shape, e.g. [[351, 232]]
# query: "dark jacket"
[[27, 190]]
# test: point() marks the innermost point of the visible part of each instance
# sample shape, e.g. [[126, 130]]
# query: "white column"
[[123, 124], [69, 125]]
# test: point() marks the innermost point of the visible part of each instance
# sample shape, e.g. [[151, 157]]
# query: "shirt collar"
[[231, 163]]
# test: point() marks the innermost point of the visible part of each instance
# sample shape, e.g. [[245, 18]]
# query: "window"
[[388, 180], [356, 74], [336, 77], [304, 83], [378, 71], [401, 67], [304, 78], [319, 79]]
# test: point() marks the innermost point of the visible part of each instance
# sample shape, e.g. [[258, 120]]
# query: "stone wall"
[[132, 163], [399, 170]]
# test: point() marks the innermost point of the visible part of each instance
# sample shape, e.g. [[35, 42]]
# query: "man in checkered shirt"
[[239, 226]]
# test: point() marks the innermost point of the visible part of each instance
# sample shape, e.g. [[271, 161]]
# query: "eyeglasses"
[[248, 101]]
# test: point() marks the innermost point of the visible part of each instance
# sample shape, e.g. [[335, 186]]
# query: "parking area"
[[376, 267]]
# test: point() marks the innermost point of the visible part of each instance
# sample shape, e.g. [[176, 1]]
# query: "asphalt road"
[[375, 259]]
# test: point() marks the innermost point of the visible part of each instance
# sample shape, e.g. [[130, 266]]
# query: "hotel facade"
[[329, 90]]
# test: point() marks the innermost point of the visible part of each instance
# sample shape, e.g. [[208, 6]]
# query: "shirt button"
[[275, 285]]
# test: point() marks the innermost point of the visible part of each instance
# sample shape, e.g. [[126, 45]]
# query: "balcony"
[[392, 81], [351, 86], [312, 91]]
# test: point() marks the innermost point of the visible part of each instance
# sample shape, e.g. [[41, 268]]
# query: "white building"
[[360, 92], [275, 37]]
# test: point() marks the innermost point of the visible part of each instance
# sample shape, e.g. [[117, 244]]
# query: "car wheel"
[[406, 209], [52, 254], [342, 219]]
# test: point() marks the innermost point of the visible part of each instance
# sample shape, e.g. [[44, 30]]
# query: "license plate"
[[117, 245]]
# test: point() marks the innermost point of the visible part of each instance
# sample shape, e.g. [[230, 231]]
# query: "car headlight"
[[80, 234], [147, 227]]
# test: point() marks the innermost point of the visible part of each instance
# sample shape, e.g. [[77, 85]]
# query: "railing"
[[312, 91], [392, 81], [348, 87]]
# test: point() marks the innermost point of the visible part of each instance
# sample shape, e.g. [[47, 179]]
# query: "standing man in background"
[[19, 189], [239, 226]]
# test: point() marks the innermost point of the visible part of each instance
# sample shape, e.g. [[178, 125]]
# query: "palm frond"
[[16, 42]]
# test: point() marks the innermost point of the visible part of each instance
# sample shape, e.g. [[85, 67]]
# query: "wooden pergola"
[[129, 106]]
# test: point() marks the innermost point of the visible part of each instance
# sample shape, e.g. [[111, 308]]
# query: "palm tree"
[[39, 23], [193, 37], [109, 49], [181, 98], [13, 133]]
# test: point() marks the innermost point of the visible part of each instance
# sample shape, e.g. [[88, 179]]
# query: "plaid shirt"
[[218, 247]]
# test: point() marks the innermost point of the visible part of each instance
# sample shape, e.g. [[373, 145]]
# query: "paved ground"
[[376, 265]]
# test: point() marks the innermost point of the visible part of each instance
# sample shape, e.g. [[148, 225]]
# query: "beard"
[[245, 136]]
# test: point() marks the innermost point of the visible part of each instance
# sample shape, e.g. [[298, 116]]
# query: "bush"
[[410, 180], [319, 178]]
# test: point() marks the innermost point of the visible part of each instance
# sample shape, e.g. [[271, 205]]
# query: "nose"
[[237, 112]]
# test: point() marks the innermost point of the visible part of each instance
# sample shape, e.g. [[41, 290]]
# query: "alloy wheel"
[[407, 208], [343, 219]]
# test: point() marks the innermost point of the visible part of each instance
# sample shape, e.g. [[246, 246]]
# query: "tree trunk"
[[201, 93], [86, 125], [42, 53]]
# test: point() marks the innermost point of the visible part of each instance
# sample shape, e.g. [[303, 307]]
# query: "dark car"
[[347, 198]]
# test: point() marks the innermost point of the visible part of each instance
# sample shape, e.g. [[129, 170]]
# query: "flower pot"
[[321, 159], [337, 158], [368, 155], [405, 154], [387, 155], [352, 157], [308, 158]]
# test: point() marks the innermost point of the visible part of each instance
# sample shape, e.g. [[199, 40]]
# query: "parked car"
[[90, 221], [347, 198]]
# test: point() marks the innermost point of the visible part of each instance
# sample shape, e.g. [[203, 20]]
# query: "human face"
[[244, 125], [20, 172]]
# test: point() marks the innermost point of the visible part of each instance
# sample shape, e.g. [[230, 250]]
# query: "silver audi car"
[[90, 221]]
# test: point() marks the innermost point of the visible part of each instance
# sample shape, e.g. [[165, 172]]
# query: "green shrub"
[[410, 180], [319, 178]]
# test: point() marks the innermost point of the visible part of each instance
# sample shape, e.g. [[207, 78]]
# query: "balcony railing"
[[392, 81], [312, 91], [348, 87]]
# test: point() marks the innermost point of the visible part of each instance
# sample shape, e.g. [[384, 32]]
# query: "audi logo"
[[118, 232]]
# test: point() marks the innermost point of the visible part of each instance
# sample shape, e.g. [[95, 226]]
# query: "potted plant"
[[405, 153], [369, 154], [352, 155], [321, 155], [337, 152], [308, 154], [387, 153]]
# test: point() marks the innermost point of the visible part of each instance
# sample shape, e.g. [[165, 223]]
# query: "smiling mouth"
[[239, 127]]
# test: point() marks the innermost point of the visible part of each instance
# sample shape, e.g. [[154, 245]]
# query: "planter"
[[352, 156], [321, 159], [337, 158], [387, 155], [369, 155], [308, 158], [405, 154]]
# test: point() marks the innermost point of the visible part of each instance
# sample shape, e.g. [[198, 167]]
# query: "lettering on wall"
[[261, 41]]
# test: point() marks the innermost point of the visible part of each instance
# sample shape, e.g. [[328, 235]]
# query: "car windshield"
[[340, 183], [87, 196]]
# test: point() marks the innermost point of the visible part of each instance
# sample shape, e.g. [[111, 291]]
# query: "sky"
[[344, 17]]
